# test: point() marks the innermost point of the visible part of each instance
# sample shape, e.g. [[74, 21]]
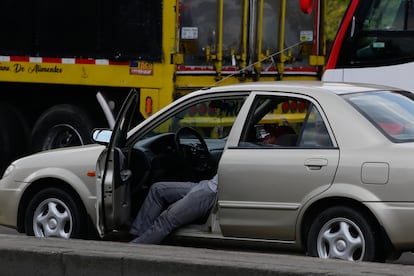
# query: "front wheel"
[[54, 213], [344, 233]]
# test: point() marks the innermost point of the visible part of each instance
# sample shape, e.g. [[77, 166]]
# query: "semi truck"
[[66, 67]]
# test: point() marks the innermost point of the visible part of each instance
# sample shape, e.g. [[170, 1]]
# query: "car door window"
[[274, 121], [314, 132], [213, 119], [186, 142], [280, 121]]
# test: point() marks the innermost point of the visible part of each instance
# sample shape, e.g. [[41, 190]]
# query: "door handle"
[[316, 163]]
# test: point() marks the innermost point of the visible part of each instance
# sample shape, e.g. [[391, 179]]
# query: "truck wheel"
[[13, 135], [61, 126], [344, 233], [54, 213]]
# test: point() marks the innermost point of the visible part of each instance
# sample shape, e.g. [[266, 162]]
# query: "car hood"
[[78, 160]]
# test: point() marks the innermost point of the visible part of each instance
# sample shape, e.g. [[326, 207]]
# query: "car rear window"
[[392, 112]]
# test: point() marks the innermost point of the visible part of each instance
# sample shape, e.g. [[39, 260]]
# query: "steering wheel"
[[194, 153]]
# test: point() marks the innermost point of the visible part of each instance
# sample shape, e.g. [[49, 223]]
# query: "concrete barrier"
[[21, 255]]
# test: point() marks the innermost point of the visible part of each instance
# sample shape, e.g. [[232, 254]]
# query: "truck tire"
[[61, 126], [13, 135]]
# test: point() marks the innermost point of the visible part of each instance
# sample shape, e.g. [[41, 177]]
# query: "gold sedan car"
[[338, 182]]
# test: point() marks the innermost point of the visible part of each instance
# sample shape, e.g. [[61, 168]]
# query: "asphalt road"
[[21, 255], [406, 258], [8, 231]]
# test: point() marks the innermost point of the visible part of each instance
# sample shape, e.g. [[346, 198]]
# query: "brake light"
[[202, 109], [212, 111], [285, 107], [302, 107], [293, 106], [193, 110]]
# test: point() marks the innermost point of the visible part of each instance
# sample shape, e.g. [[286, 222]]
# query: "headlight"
[[9, 170]]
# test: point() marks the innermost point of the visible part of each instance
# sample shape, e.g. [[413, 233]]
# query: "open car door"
[[113, 174]]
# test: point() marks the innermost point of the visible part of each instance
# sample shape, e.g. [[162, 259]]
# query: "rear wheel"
[[55, 213], [344, 233], [61, 126]]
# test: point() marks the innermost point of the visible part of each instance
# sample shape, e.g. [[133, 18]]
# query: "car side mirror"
[[101, 136]]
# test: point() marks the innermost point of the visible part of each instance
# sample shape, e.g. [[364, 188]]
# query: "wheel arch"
[[325, 203], [41, 184]]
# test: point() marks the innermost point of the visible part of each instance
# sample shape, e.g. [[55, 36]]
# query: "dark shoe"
[[135, 241], [126, 237]]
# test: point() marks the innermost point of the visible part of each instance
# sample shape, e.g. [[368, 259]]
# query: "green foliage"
[[334, 13]]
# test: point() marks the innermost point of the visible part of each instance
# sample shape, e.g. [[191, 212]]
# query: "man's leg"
[[160, 196], [195, 204]]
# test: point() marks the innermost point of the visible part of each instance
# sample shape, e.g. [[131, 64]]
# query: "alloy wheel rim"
[[52, 218], [341, 238]]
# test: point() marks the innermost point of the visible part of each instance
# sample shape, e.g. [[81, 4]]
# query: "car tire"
[[54, 212], [61, 126], [13, 135], [344, 233]]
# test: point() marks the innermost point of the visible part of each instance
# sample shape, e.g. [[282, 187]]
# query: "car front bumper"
[[9, 203]]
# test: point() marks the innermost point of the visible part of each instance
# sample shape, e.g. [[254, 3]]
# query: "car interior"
[[181, 148]]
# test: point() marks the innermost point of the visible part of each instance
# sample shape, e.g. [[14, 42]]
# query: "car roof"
[[301, 86], [309, 88]]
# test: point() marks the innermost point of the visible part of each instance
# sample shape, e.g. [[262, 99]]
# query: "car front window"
[[186, 141], [213, 119], [390, 111]]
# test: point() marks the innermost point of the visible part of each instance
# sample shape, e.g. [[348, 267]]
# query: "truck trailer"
[[66, 67]]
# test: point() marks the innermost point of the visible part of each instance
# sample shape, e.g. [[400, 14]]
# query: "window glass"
[[391, 112], [390, 15], [383, 34], [314, 132], [274, 121], [186, 142], [213, 119], [284, 122]]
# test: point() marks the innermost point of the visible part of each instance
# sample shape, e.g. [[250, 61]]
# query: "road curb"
[[21, 255]]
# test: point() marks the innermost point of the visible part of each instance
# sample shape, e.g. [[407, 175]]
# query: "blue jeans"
[[170, 205]]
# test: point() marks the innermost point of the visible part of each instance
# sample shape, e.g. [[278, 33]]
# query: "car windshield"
[[392, 112]]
